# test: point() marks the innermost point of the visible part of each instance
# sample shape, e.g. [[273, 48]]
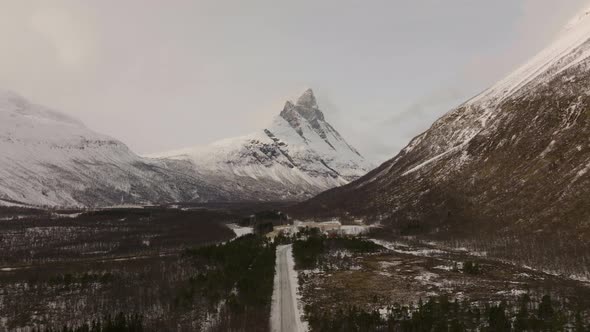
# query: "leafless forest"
[[69, 267]]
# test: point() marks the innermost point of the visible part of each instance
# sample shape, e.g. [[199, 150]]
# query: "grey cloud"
[[161, 75]]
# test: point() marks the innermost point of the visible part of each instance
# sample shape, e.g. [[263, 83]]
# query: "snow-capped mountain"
[[298, 155], [50, 159], [515, 157]]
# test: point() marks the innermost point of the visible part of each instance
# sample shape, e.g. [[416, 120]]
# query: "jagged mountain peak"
[[297, 156], [306, 107], [307, 99], [307, 120]]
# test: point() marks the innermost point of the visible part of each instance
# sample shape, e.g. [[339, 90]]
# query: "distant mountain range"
[[50, 159]]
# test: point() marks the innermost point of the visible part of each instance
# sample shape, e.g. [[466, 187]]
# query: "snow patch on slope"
[[566, 51], [48, 158]]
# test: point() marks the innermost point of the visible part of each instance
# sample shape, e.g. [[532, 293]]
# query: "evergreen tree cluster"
[[119, 323], [441, 315], [470, 267], [239, 273], [310, 244], [84, 279]]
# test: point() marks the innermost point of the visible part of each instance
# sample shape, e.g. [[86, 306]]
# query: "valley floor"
[[73, 267], [199, 269], [404, 275]]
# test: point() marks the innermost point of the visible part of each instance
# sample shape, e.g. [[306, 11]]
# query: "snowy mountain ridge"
[[567, 50], [456, 129], [50, 159], [297, 156], [517, 155]]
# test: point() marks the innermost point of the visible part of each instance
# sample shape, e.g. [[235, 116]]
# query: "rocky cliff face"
[[513, 160], [299, 155]]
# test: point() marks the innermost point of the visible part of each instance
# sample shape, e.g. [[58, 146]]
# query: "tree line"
[[439, 314], [118, 323]]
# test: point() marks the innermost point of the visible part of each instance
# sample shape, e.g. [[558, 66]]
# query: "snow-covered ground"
[[12, 204], [66, 215], [239, 230], [404, 249], [443, 251], [331, 227], [354, 229]]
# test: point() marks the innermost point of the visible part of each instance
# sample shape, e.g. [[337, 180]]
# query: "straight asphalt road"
[[285, 312]]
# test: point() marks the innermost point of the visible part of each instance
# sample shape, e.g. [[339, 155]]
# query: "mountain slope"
[[513, 160], [300, 154], [48, 158]]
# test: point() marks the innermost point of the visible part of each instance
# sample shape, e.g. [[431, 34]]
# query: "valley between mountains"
[[481, 223]]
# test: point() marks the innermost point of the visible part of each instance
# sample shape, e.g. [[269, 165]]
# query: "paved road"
[[285, 314]]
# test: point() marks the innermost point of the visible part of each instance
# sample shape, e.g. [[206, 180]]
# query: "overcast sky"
[[161, 75]]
